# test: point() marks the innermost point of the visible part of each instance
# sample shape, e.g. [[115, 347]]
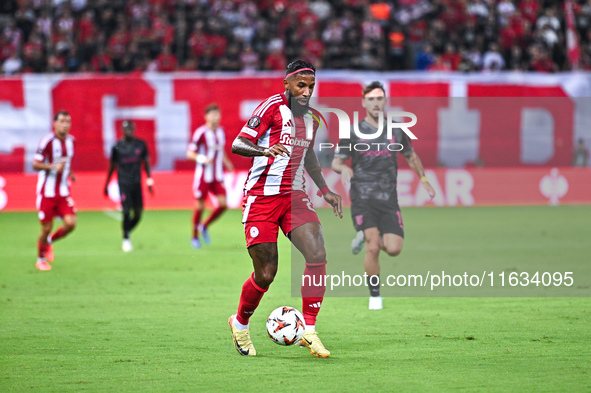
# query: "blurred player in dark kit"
[[372, 178], [127, 156]]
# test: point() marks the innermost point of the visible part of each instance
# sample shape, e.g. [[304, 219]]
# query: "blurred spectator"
[[166, 61], [12, 65], [101, 62], [540, 61], [249, 60], [492, 59], [451, 58], [424, 58], [581, 154]]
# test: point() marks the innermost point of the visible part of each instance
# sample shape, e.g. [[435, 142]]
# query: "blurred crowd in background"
[[46, 36]]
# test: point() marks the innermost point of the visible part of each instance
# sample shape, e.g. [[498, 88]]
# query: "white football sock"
[[310, 328], [240, 326]]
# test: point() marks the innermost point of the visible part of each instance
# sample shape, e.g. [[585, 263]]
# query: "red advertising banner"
[[454, 187], [496, 120]]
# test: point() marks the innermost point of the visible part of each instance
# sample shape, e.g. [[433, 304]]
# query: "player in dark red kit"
[[127, 156], [53, 160], [276, 137]]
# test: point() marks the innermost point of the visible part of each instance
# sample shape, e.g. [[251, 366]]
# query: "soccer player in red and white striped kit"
[[276, 137], [53, 160], [207, 150]]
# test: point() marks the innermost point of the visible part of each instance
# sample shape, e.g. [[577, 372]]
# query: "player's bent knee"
[[265, 277], [316, 256], [394, 251]]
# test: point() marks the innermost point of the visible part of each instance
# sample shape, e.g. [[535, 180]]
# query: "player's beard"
[[298, 109]]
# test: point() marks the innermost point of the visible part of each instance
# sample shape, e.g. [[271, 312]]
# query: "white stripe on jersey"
[[249, 202], [209, 153], [259, 163], [265, 105], [64, 191], [277, 169]]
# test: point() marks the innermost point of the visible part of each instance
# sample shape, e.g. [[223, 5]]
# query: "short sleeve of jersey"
[[42, 152], [258, 125], [343, 150], [407, 148], [195, 140]]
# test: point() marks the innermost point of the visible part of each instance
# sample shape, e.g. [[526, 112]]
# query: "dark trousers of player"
[[132, 201]]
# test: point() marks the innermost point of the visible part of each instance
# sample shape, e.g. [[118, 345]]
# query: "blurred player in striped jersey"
[[53, 160], [276, 138], [207, 150]]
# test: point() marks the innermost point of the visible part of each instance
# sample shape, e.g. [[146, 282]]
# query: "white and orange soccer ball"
[[286, 325]]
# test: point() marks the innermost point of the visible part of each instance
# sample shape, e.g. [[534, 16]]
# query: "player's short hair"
[[60, 113], [212, 107], [128, 123], [373, 85], [296, 65]]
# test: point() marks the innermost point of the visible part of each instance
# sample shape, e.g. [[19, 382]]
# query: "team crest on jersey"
[[254, 232], [254, 122]]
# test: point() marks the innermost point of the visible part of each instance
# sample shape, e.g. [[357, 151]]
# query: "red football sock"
[[58, 234], [42, 249], [313, 291], [214, 215], [249, 300], [196, 221]]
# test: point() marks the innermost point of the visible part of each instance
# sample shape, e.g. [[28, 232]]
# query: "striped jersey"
[[208, 143], [273, 122], [53, 150]]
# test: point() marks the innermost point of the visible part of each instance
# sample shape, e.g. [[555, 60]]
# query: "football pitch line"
[[114, 214]]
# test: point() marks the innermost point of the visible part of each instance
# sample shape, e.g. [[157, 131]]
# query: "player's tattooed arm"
[[245, 147], [313, 168]]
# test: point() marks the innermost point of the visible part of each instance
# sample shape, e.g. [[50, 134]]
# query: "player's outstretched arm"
[[417, 166], [313, 168], [339, 166], [245, 147]]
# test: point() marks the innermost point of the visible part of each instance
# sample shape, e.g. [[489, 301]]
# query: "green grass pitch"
[[155, 320]]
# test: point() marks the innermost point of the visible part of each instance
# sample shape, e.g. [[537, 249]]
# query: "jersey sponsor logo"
[[254, 122], [287, 140]]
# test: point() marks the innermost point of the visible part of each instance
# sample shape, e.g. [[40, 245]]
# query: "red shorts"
[[50, 208], [215, 187], [264, 214]]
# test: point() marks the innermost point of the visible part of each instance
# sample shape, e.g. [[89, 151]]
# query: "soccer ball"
[[285, 326]]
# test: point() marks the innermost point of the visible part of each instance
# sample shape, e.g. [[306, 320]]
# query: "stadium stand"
[[47, 36]]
